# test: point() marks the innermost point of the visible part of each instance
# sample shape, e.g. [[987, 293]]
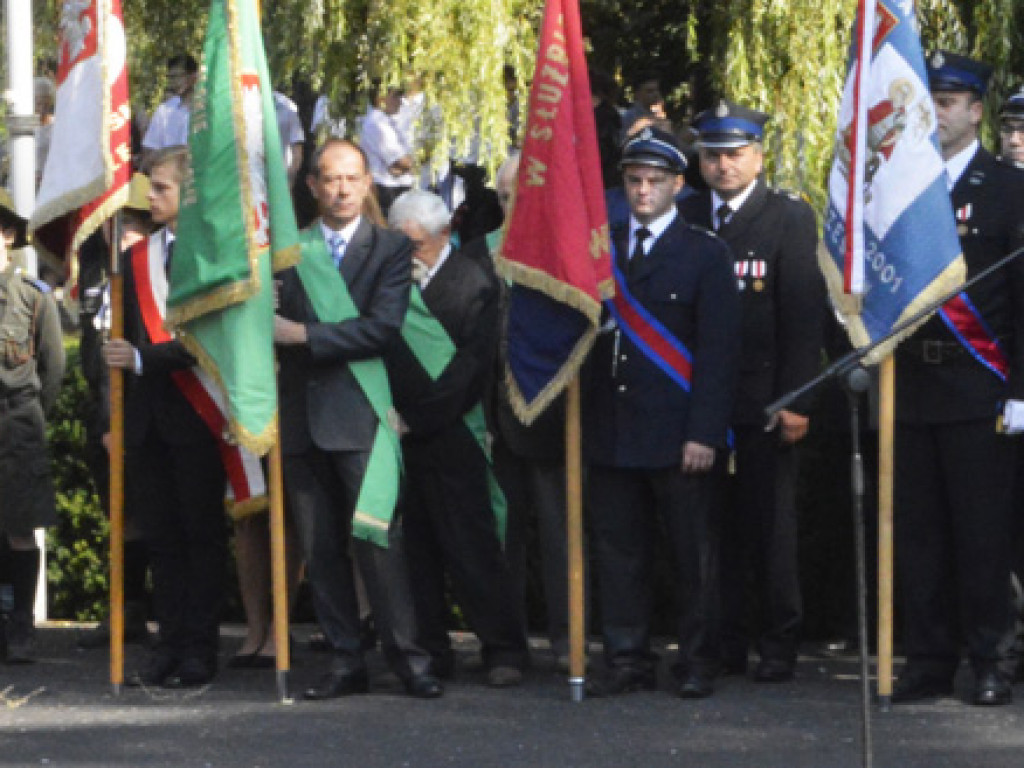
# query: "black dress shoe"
[[773, 671], [424, 687], [623, 679], [695, 686], [992, 689], [191, 673], [157, 669], [335, 684], [918, 686]]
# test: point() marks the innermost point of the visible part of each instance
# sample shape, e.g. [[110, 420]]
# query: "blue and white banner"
[[890, 245]]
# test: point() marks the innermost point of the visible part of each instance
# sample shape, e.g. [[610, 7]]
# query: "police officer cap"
[[728, 125], [952, 72], [1013, 107], [9, 219], [655, 148]]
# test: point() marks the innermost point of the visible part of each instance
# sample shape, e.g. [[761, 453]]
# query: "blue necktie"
[[337, 244]]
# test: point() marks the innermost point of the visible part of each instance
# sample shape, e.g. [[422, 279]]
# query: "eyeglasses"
[[1009, 129]]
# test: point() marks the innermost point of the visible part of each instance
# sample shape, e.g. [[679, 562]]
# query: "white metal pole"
[[22, 120], [21, 129]]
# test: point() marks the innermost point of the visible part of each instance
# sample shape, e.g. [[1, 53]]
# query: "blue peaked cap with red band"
[[656, 148], [729, 125], [953, 72]]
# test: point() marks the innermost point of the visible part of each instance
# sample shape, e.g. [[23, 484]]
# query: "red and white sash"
[[246, 486]]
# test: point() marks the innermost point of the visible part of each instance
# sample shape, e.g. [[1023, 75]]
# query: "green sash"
[[378, 493], [433, 349]]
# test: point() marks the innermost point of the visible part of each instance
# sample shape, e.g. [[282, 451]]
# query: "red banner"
[[556, 247]]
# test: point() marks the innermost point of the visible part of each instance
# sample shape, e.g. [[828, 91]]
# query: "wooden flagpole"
[[886, 427], [278, 572], [116, 458], [574, 531]]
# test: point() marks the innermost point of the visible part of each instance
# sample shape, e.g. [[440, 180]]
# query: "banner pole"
[[279, 573], [886, 426], [116, 457], [574, 531]]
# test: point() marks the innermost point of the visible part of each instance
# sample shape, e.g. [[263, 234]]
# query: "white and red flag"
[[88, 168]]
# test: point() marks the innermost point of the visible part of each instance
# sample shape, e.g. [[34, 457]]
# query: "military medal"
[[962, 216], [758, 268], [742, 269]]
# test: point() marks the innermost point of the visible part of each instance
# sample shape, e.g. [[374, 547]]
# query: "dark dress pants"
[[953, 496], [178, 493], [759, 551], [322, 489], [626, 505], [450, 528], [536, 494]]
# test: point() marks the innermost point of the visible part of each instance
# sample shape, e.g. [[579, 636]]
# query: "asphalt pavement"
[[61, 711]]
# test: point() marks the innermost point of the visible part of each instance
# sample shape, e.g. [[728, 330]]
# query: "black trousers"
[[953, 495], [626, 505], [322, 488], [536, 495], [450, 528], [759, 576], [178, 494]]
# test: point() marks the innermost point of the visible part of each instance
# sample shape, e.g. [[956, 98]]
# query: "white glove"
[[1013, 417]]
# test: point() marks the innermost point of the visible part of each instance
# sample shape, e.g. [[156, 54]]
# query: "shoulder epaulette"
[[796, 196], [701, 230]]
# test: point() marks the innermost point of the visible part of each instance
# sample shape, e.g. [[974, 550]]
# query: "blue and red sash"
[[966, 323], [651, 337]]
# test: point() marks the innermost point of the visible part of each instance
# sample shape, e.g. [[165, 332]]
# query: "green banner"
[[236, 224], [378, 493], [433, 349]]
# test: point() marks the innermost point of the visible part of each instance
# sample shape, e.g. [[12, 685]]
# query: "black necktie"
[[170, 255], [638, 255], [723, 213]]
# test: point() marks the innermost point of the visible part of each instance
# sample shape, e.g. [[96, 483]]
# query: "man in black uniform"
[[772, 236], [954, 469], [439, 375], [174, 476], [31, 368], [656, 424]]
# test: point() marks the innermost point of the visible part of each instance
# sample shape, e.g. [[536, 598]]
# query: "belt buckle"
[[931, 351]]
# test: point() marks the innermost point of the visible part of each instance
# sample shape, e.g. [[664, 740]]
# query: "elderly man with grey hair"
[[454, 514]]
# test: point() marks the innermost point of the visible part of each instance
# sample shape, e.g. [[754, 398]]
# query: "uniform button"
[[622, 387], [623, 358]]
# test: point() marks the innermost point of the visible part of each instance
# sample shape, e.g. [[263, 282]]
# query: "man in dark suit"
[[954, 468], [453, 513], [772, 236], [337, 424], [174, 475], [655, 426]]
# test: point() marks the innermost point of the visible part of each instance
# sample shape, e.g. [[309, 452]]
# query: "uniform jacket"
[[635, 415], [773, 239], [989, 201], [464, 300], [31, 346], [153, 401], [321, 402]]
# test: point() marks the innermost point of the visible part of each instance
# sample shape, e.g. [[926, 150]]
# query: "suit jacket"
[[783, 308], [634, 414], [321, 401], [989, 199], [464, 300], [153, 401]]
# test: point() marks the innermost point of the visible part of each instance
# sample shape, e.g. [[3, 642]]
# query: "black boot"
[[20, 630]]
